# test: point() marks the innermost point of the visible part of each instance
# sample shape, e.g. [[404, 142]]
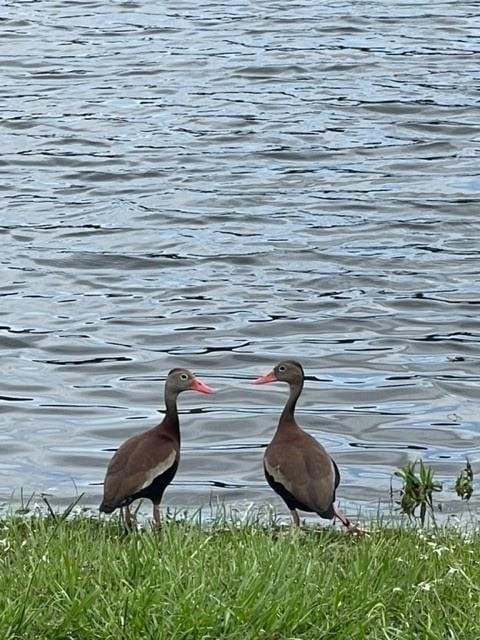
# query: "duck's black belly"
[[156, 488], [292, 502]]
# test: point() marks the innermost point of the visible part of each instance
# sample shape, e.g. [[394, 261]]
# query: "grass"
[[83, 578]]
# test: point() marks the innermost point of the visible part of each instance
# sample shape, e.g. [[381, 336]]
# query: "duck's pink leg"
[[156, 516]]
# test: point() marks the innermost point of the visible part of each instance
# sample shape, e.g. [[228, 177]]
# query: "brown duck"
[[296, 466], [145, 464]]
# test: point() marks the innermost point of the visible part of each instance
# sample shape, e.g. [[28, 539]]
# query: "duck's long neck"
[[288, 413], [170, 422]]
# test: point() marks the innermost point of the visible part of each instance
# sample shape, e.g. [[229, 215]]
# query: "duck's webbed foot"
[[349, 526]]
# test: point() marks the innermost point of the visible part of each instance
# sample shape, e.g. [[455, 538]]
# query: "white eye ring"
[[184, 376], [281, 368]]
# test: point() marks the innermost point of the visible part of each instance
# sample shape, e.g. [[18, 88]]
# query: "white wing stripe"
[[161, 467]]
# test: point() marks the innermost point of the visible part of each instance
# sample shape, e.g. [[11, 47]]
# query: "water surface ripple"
[[221, 186]]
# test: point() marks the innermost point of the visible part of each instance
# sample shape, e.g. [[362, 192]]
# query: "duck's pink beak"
[[201, 387], [269, 377]]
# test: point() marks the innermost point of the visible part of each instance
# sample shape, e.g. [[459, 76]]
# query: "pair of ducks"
[[296, 466]]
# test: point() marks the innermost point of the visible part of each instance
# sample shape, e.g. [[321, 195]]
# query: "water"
[[220, 186]]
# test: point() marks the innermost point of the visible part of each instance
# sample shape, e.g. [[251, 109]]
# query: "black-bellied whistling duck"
[[296, 466], [145, 464]]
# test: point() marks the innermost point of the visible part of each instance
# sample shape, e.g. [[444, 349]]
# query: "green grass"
[[85, 579]]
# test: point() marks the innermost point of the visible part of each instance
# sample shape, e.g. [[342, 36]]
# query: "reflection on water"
[[222, 187]]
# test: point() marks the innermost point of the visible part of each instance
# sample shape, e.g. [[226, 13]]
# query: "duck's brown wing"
[[137, 462], [305, 470]]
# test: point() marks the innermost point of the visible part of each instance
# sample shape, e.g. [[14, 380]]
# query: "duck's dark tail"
[[106, 508]]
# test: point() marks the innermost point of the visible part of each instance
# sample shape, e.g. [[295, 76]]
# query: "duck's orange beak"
[[269, 377], [201, 387]]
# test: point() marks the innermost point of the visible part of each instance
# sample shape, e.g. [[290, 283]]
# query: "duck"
[[145, 464], [297, 467]]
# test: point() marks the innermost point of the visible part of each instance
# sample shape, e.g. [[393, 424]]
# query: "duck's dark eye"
[[281, 368], [184, 376]]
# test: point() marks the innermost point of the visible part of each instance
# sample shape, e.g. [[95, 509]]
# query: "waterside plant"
[[417, 490], [464, 482]]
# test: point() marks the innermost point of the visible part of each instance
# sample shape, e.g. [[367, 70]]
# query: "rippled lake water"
[[220, 186]]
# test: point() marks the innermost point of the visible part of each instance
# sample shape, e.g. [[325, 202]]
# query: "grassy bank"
[[85, 579]]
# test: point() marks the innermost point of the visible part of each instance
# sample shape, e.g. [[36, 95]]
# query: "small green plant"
[[417, 490], [464, 482]]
